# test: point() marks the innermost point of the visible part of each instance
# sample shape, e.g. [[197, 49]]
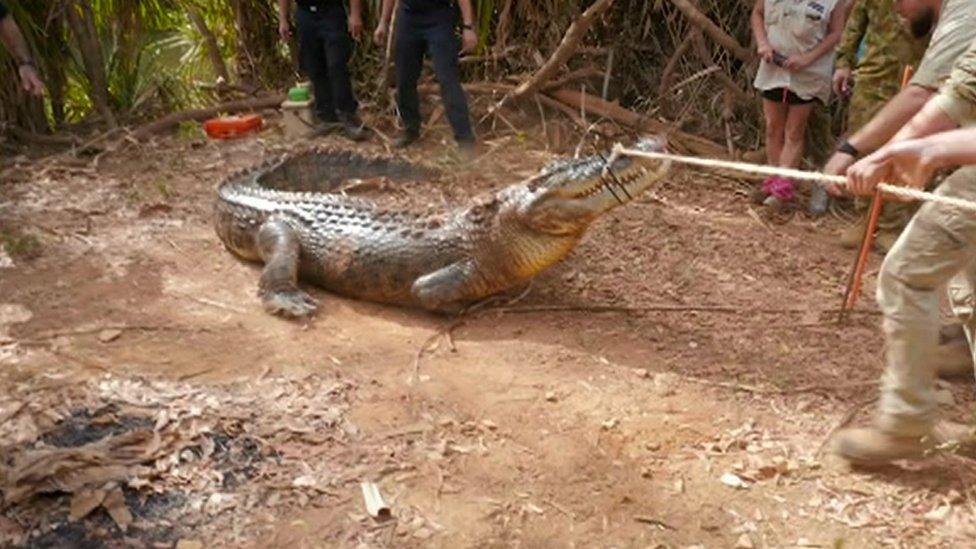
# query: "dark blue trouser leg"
[[442, 44], [325, 48], [338, 51], [311, 50], [409, 58]]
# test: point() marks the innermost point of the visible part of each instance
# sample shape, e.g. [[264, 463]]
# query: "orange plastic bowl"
[[230, 127]]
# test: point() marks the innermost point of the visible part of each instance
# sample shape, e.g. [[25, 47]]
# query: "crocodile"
[[284, 212]]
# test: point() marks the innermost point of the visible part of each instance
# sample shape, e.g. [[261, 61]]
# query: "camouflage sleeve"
[[854, 29], [957, 96]]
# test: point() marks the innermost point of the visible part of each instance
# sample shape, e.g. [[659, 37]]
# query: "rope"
[[816, 177]]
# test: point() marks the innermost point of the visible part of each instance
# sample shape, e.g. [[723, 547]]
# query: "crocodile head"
[[566, 196]]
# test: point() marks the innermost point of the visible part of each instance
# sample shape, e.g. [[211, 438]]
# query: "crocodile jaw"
[[565, 199]]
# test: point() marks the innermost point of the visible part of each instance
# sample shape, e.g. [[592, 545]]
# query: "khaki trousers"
[[936, 249]]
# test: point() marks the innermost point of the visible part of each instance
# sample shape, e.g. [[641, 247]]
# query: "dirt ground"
[[671, 384]]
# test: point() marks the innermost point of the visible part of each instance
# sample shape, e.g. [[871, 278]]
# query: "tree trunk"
[[210, 44], [259, 61], [82, 23]]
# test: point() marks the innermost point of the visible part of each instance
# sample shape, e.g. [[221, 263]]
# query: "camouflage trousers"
[[938, 247], [867, 100]]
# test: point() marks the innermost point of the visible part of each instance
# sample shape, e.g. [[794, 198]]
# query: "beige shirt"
[[951, 37], [957, 96], [794, 27]]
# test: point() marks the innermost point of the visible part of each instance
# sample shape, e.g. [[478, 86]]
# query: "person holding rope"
[[938, 244], [869, 81], [954, 23], [795, 40]]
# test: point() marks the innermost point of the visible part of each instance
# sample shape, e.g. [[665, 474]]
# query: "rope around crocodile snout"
[[816, 177]]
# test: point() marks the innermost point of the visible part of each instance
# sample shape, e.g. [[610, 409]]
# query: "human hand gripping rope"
[[854, 283]]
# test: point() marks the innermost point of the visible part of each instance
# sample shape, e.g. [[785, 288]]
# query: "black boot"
[[352, 127]]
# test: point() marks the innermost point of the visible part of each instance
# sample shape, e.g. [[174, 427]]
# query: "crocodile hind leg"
[[279, 248], [450, 289]]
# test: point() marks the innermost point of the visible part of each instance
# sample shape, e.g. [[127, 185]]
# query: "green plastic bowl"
[[298, 94]]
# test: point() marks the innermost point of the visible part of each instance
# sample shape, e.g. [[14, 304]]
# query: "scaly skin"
[[439, 262]]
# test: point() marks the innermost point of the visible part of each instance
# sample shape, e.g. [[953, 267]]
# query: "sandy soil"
[[612, 406]]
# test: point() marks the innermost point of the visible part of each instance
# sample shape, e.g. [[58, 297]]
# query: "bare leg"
[[278, 246], [796, 124], [775, 114]]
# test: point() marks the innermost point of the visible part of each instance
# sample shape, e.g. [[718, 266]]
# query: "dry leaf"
[[115, 505], [111, 334], [84, 502], [744, 542], [733, 480], [304, 481], [939, 514], [188, 544], [11, 533]]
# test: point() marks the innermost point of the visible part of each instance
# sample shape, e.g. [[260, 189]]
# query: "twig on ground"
[[654, 522], [44, 337], [775, 390], [663, 309], [755, 216], [198, 373], [210, 302]]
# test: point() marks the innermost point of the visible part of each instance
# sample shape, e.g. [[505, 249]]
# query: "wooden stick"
[[700, 20], [567, 47], [853, 290], [867, 242]]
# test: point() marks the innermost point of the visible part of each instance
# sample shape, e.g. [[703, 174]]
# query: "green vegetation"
[[109, 62]]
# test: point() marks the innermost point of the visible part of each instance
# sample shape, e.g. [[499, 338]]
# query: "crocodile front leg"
[[279, 248], [449, 289]]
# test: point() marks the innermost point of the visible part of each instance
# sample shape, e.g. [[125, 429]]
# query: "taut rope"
[[817, 177]]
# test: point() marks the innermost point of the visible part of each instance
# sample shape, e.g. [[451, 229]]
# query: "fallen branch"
[[173, 119], [570, 42], [41, 139], [563, 108], [700, 20], [678, 139], [579, 74], [492, 57], [470, 87]]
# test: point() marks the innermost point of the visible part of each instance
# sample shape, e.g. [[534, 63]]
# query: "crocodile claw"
[[295, 303]]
